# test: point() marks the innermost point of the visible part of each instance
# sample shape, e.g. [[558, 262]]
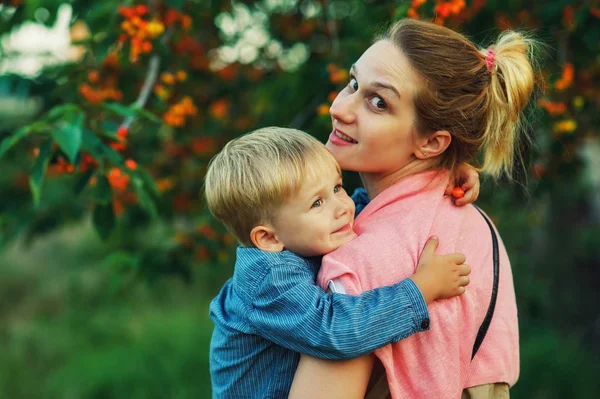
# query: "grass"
[[66, 334]]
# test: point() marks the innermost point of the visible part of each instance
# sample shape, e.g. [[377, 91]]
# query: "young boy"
[[279, 192]]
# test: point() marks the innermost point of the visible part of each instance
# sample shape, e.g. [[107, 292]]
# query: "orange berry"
[[227, 73], [117, 179], [141, 9], [126, 12], [538, 170], [131, 164], [181, 76], [458, 192], [323, 109], [93, 76], [118, 207], [167, 78], [136, 21], [178, 109], [201, 254], [186, 22], [171, 17], [219, 108], [203, 145], [122, 133]]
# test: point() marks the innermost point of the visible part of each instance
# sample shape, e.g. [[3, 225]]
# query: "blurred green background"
[[110, 111]]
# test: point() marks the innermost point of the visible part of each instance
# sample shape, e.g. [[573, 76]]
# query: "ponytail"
[[511, 85]]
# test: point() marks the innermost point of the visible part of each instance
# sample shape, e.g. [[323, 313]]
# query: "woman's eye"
[[377, 102], [353, 84], [317, 203]]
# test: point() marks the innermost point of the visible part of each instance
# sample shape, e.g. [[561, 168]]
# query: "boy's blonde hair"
[[253, 175]]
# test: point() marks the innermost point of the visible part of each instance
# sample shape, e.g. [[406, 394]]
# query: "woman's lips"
[[336, 140]]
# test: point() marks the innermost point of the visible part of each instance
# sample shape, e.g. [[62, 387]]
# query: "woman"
[[420, 101]]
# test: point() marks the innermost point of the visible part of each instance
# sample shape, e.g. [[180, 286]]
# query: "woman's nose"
[[342, 108]]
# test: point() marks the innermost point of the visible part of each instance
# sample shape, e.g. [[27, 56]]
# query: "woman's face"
[[373, 116]]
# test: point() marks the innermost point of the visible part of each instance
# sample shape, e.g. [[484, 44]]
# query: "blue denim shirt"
[[271, 310]]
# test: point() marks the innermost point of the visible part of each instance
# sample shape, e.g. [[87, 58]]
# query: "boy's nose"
[[341, 209]]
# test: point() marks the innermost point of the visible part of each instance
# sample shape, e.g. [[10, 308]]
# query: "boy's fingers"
[[472, 180], [461, 290], [464, 269], [457, 258], [464, 280], [429, 249], [466, 199]]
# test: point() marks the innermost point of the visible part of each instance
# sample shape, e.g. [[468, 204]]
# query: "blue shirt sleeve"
[[291, 311], [361, 199]]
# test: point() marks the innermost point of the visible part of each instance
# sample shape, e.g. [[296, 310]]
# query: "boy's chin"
[[351, 236]]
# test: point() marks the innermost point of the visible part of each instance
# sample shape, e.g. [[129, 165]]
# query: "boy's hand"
[[440, 277], [469, 178]]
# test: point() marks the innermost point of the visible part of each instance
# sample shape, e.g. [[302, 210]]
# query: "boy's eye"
[[353, 84], [337, 188], [317, 203], [378, 102]]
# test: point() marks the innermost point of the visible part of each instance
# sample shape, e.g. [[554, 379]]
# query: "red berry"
[[122, 133], [458, 192], [131, 164]]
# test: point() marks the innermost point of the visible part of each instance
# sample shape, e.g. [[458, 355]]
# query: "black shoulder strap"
[[490, 312]]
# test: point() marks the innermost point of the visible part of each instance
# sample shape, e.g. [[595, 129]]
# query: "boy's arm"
[[291, 311]]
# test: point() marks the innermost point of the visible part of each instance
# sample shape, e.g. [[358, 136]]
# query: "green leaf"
[[131, 112], [147, 114], [109, 129], [149, 182], [91, 143], [82, 181], [112, 155], [104, 220], [13, 139], [102, 191], [401, 11], [69, 137], [38, 171], [59, 111], [119, 109], [178, 4], [146, 201]]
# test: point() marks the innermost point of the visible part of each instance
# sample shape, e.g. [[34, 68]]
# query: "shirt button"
[[425, 324]]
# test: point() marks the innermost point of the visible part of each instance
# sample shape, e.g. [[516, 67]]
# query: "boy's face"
[[318, 219]]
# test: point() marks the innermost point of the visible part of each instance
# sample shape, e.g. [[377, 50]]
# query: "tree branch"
[[151, 75]]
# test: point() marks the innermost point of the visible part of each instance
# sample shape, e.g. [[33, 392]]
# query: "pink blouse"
[[392, 231]]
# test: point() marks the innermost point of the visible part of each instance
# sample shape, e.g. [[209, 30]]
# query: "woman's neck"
[[375, 183]]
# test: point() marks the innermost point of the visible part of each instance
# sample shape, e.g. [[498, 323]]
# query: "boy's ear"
[[433, 145], [264, 238]]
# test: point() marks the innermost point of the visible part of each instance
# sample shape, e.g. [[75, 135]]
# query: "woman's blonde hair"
[[476, 95], [253, 175]]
